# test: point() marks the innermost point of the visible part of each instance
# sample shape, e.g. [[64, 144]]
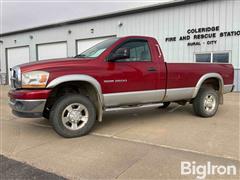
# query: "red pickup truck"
[[117, 73]]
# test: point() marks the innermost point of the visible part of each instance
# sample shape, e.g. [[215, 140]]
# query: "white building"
[[188, 31]]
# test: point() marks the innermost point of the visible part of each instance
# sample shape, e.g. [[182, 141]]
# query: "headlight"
[[35, 79]]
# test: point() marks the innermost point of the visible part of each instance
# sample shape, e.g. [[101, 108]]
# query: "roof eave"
[[104, 16]]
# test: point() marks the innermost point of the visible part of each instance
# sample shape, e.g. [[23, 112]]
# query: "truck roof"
[[137, 36]]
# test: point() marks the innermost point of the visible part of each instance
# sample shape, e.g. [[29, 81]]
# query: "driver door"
[[132, 79]]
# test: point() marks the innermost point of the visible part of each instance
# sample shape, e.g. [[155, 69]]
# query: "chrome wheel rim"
[[209, 103], [75, 116]]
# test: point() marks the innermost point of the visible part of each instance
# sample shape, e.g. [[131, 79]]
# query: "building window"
[[203, 57], [221, 57], [212, 57]]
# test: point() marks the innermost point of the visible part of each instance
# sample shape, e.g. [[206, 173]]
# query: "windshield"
[[98, 49]]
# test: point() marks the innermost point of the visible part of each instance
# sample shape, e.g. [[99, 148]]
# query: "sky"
[[23, 14]]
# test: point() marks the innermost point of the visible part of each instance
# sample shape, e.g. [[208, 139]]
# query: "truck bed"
[[183, 78], [188, 74]]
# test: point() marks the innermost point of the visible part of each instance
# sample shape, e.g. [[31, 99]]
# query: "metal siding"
[[161, 23], [237, 79], [229, 27], [236, 41], [187, 20]]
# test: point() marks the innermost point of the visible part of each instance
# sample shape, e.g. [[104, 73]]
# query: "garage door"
[[52, 50], [1, 57], [16, 56], [85, 44]]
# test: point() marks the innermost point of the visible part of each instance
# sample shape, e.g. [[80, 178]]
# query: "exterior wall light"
[[92, 30], [31, 37], [120, 24], [69, 32]]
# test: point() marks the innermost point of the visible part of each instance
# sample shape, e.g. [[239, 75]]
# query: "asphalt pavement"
[[11, 169]]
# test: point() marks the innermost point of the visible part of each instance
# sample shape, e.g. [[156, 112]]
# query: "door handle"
[[151, 69]]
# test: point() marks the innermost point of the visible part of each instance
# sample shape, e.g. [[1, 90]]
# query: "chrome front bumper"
[[27, 108]]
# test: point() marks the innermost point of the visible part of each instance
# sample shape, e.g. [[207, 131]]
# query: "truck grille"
[[15, 80]]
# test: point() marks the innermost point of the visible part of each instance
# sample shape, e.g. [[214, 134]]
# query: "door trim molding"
[[135, 97], [149, 96], [177, 94]]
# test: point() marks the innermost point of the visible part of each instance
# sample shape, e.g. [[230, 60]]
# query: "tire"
[[206, 102], [165, 105], [73, 115]]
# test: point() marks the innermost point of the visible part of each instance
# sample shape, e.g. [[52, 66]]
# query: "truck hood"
[[54, 64]]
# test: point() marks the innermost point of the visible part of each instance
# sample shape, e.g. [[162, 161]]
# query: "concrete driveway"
[[133, 144]]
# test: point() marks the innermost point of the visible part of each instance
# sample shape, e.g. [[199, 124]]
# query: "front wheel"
[[206, 102], [73, 115]]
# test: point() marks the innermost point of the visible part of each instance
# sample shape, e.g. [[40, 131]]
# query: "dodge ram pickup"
[[121, 72]]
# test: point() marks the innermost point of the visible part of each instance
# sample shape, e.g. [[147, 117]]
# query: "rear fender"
[[207, 76]]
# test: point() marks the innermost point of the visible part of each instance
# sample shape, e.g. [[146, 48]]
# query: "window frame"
[[127, 41], [212, 53]]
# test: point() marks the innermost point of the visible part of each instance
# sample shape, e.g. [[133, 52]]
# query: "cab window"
[[138, 50]]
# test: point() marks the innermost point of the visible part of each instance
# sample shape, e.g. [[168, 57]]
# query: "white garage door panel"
[[16, 56], [1, 58], [51, 51], [85, 44]]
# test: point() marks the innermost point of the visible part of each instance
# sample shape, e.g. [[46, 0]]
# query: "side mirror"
[[121, 53]]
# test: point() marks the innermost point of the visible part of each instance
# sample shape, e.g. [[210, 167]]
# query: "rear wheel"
[[73, 115], [206, 102]]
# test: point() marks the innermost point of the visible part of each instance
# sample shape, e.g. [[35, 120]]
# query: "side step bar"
[[133, 107]]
